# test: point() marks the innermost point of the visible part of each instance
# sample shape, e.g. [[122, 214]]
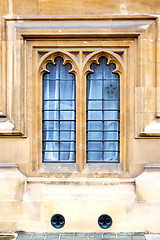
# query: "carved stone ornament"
[[50, 58], [111, 57]]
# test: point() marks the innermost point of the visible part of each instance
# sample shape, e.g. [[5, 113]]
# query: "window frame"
[[100, 148], [60, 99], [28, 38], [81, 67]]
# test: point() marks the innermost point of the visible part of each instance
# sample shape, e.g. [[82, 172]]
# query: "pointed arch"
[[103, 110], [50, 58], [111, 57], [58, 111]]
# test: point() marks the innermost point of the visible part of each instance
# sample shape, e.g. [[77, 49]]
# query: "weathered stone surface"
[[147, 184], [29, 29], [12, 181]]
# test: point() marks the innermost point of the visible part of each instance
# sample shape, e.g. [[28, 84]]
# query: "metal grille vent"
[[57, 221], [105, 221]]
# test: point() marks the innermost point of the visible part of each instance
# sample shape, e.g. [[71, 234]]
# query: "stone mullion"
[[81, 117]]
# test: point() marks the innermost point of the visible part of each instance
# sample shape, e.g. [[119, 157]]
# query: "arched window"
[[103, 113], [81, 109], [58, 113]]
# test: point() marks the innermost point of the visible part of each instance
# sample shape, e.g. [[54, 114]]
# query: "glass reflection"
[[58, 113], [103, 115]]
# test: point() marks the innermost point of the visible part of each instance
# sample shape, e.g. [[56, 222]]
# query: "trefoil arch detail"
[[50, 58], [111, 58]]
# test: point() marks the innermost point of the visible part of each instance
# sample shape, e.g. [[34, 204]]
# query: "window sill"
[[103, 181], [88, 168]]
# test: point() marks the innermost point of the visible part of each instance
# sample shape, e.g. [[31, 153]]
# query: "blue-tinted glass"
[[67, 136], [111, 115], [103, 115], [53, 74], [111, 125], [51, 156], [51, 146], [94, 104], [64, 75], [95, 89], [50, 125], [95, 146], [51, 105], [51, 135], [111, 156], [68, 105], [58, 113], [94, 115], [50, 115], [95, 156], [67, 125], [111, 146], [111, 89], [67, 115], [67, 89], [94, 136], [51, 89], [92, 125], [67, 146], [108, 72], [111, 136], [96, 74], [111, 105], [67, 156]]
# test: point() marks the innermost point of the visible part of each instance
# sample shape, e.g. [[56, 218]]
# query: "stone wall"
[[31, 192]]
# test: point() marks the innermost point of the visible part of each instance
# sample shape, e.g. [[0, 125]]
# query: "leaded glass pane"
[[103, 113], [58, 113]]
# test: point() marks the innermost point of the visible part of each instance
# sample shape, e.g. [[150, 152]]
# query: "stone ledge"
[[111, 181], [148, 183], [8, 165], [152, 166], [12, 181], [8, 236]]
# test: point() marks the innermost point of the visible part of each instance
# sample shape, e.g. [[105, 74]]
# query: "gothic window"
[[58, 113], [99, 131], [103, 118], [81, 42]]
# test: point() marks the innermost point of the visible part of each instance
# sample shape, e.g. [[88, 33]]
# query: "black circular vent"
[[57, 221], [105, 221]]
